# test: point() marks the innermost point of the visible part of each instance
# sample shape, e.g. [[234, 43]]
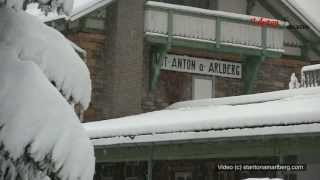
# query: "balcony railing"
[[310, 76], [216, 27]]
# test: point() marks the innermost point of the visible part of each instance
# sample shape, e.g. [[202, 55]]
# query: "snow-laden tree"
[[40, 135]]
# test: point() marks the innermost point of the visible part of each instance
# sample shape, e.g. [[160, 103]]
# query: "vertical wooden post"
[[170, 28], [150, 163], [251, 64], [157, 55], [264, 38], [218, 32]]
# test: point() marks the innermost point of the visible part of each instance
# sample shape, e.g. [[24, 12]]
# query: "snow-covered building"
[[147, 55], [192, 139], [207, 48]]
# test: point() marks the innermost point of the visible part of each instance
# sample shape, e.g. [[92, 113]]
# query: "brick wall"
[[275, 74], [115, 62], [93, 43]]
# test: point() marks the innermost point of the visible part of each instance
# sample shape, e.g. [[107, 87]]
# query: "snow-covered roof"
[[218, 135], [297, 112], [307, 12], [80, 8]]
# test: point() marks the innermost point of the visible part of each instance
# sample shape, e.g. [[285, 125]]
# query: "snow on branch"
[[41, 137], [50, 50], [60, 6], [38, 127]]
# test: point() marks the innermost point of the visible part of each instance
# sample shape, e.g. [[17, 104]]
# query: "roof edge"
[[302, 16]]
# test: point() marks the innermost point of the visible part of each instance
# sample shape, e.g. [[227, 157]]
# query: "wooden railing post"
[[218, 32], [264, 38], [170, 28], [251, 64], [157, 55]]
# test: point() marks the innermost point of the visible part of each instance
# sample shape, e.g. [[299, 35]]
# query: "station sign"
[[204, 66]]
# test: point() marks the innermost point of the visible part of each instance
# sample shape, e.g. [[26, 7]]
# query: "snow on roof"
[[311, 67], [308, 11], [246, 99], [210, 135], [80, 8], [220, 120]]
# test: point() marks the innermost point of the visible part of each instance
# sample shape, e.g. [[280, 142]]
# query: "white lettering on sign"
[[201, 66]]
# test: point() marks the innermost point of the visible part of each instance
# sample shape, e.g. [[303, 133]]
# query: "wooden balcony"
[[310, 76], [182, 26]]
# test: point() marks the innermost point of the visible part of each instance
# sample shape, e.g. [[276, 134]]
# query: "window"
[[202, 88], [183, 176]]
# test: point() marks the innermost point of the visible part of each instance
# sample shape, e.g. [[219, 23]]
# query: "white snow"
[[45, 46], [310, 9], [247, 99], [36, 121], [303, 109], [66, 5], [294, 82], [311, 67], [35, 114], [33, 10], [79, 9], [309, 12]]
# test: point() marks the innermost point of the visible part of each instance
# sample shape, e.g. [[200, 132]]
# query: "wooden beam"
[[150, 163], [157, 55], [211, 46], [251, 65], [227, 149]]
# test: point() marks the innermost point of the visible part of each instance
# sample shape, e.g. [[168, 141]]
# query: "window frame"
[[212, 78]]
